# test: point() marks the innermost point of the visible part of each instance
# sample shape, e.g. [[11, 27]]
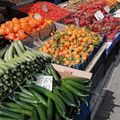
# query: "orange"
[[67, 62], [77, 56]]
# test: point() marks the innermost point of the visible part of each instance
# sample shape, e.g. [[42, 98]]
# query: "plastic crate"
[[85, 111]]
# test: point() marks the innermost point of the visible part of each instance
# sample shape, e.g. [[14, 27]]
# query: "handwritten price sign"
[[45, 81]]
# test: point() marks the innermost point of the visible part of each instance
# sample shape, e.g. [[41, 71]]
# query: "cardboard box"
[[70, 72]]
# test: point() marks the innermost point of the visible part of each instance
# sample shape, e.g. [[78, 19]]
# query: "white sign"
[[45, 81], [44, 8], [37, 16], [107, 9], [99, 15], [76, 21]]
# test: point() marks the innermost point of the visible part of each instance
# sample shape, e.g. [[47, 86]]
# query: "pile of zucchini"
[[17, 64], [34, 102]]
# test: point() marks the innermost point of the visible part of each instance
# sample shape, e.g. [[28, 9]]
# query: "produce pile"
[[15, 28], [111, 2], [54, 13], [109, 25], [34, 102], [73, 4], [4, 42], [72, 45], [17, 64], [86, 13]]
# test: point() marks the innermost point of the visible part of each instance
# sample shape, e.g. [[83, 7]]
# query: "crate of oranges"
[[73, 46]]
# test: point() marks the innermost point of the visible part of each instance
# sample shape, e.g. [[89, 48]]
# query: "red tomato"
[[21, 35], [11, 36], [16, 28]]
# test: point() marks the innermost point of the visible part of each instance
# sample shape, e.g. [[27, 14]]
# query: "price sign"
[[45, 81], [76, 21], [99, 15], [44, 8], [37, 16], [107, 9]]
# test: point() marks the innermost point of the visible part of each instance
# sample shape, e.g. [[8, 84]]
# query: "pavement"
[[110, 107]]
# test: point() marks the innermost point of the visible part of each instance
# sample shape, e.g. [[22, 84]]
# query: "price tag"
[[107, 9], [37, 16], [76, 21], [44, 7], [45, 81], [99, 15]]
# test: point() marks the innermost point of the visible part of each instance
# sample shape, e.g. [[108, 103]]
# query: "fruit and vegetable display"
[[109, 25], [31, 88], [72, 45], [52, 11], [17, 64], [73, 4], [15, 28], [33, 102], [4, 42]]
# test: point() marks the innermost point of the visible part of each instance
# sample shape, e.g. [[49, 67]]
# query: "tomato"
[[11, 36], [22, 35], [9, 30], [15, 20], [1, 31], [26, 28], [32, 24], [3, 26], [67, 62], [4, 31], [16, 28]]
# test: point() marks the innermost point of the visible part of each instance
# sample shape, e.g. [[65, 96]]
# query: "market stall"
[[54, 59]]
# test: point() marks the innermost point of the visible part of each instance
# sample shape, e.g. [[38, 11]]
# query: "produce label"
[[107, 9], [45, 81], [37, 16], [99, 15], [44, 8], [76, 21]]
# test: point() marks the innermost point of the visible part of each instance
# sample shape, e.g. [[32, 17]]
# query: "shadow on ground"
[[107, 107]]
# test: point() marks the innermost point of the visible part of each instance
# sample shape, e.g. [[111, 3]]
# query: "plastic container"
[[57, 1], [85, 111]]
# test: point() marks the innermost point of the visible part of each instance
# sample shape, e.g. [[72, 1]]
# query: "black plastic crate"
[[110, 58]]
